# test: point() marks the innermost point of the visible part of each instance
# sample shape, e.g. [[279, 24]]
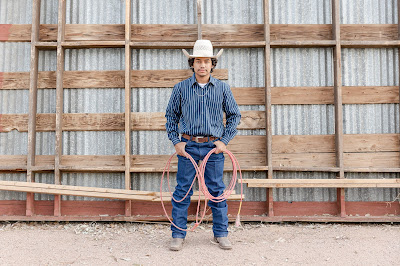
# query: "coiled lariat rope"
[[203, 188]]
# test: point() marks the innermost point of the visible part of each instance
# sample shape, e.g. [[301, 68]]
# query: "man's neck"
[[203, 80]]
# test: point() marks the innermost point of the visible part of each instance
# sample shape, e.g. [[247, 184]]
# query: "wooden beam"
[[243, 95], [215, 32], [337, 73], [370, 44], [325, 183], [33, 80], [189, 45], [128, 68], [110, 121], [59, 102], [398, 37], [268, 108], [104, 79], [373, 162], [199, 24], [96, 192]]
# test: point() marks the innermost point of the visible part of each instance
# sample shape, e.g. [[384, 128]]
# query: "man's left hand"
[[220, 146]]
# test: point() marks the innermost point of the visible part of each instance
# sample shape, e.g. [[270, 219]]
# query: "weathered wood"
[[91, 191], [59, 101], [71, 190], [306, 169], [302, 44], [243, 95], [104, 79], [189, 45], [337, 80], [156, 163], [398, 37], [128, 68], [33, 81], [370, 44], [213, 32], [268, 108], [240, 144], [92, 44], [110, 121], [373, 160], [368, 32], [326, 183]]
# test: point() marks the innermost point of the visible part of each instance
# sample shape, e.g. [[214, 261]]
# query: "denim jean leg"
[[214, 180], [184, 178]]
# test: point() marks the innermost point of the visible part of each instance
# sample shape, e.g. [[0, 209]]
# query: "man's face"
[[202, 66]]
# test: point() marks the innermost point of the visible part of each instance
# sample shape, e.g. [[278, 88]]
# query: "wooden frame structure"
[[338, 153]]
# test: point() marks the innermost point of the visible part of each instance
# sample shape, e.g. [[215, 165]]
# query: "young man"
[[195, 110]]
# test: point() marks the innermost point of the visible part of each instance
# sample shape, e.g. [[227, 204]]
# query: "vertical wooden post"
[[59, 102], [128, 203], [398, 36], [33, 79], [268, 108], [337, 73], [199, 33]]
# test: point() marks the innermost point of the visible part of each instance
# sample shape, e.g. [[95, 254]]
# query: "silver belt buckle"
[[198, 137]]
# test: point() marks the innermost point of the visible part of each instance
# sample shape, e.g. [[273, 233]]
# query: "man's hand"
[[180, 149], [221, 147]]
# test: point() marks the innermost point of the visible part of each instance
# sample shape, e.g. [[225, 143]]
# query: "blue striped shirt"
[[199, 111]]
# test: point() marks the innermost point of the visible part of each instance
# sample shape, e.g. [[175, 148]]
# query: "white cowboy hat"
[[203, 48]]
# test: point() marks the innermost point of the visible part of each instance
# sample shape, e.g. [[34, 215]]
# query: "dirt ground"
[[147, 244]]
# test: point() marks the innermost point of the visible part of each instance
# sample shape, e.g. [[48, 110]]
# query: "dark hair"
[[214, 62]]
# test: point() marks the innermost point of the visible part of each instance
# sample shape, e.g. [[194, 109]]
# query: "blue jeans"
[[213, 179]]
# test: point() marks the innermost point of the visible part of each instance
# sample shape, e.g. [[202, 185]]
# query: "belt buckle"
[[197, 138]]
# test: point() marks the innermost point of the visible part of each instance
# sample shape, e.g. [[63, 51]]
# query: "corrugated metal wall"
[[290, 67]]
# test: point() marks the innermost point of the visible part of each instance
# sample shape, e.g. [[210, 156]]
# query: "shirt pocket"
[[214, 103]]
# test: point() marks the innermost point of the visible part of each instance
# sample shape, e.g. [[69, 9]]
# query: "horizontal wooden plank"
[[189, 45], [302, 44], [306, 160], [370, 44], [71, 190], [94, 191], [156, 163], [368, 32], [213, 32], [317, 95], [373, 160], [385, 162], [370, 94], [362, 153], [243, 95], [326, 183], [281, 144], [303, 144], [108, 121], [371, 143], [103, 79]]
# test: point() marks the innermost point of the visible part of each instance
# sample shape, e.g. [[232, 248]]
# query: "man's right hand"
[[180, 149]]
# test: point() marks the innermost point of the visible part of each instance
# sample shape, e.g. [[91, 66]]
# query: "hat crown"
[[203, 48]]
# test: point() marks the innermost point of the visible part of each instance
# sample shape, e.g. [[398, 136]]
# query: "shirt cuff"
[[225, 140], [175, 141]]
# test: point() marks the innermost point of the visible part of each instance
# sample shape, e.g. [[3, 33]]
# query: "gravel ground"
[[147, 244]]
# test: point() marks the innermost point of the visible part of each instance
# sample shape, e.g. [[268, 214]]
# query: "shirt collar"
[[193, 79]]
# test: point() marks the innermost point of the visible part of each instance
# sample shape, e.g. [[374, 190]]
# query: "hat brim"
[[194, 56]]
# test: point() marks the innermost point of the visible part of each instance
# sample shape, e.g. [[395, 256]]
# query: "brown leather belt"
[[199, 139]]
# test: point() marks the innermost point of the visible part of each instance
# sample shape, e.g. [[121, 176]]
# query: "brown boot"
[[223, 242], [176, 244]]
